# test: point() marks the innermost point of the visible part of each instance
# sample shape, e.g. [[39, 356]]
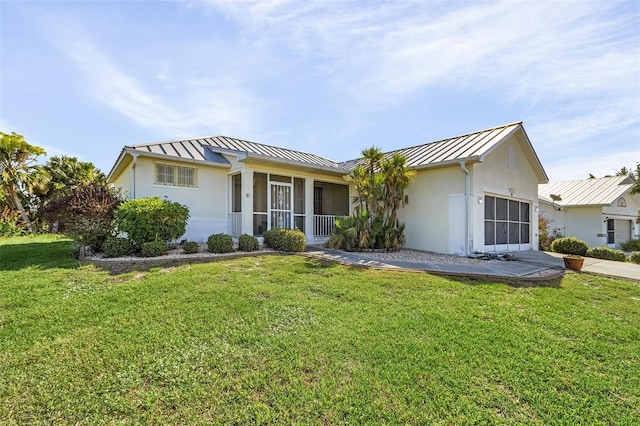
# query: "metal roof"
[[469, 147], [202, 148], [586, 192]]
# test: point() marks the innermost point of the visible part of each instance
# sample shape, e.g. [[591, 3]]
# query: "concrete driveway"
[[609, 268]]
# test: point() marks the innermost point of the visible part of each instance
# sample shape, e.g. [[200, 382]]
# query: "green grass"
[[288, 339]]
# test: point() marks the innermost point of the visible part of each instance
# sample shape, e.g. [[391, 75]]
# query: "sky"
[[86, 78]]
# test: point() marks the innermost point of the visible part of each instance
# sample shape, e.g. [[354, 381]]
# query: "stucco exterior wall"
[[207, 203], [507, 173], [427, 216]]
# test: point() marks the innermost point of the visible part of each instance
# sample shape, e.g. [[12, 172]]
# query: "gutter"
[[467, 201]]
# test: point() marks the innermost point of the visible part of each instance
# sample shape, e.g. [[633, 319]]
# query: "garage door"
[[507, 224]]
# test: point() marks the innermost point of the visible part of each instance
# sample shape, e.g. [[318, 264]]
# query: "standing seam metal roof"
[[586, 192], [458, 148], [471, 146]]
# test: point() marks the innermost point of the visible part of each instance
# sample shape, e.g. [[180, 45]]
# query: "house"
[[599, 211], [475, 192]]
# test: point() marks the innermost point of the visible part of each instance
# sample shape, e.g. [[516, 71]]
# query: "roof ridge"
[[622, 177]]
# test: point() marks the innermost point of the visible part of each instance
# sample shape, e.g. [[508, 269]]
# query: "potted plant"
[[573, 262]]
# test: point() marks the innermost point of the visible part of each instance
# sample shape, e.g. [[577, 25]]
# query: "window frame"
[[176, 175]]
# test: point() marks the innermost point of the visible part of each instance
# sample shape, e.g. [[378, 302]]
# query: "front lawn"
[[287, 339]]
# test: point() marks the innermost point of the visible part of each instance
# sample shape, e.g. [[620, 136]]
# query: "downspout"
[[467, 196], [133, 169]]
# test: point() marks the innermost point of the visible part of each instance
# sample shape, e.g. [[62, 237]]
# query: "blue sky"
[[327, 77]]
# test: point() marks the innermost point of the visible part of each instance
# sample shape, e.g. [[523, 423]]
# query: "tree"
[[380, 185], [18, 173], [634, 175], [86, 214], [68, 173]]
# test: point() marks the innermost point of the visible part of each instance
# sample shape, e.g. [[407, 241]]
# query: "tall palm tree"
[[17, 170]]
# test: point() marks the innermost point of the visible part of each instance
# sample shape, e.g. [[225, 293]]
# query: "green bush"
[[153, 248], [248, 242], [220, 243], [190, 247], [634, 257], [604, 252], [569, 245], [289, 240], [10, 223], [150, 219], [118, 247], [631, 245]]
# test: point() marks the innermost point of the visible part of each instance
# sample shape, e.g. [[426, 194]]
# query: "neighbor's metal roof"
[[201, 149], [472, 146], [586, 192]]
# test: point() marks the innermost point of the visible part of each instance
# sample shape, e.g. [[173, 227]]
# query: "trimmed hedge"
[[604, 252], [118, 247], [634, 257], [190, 247], [220, 243], [153, 249], [288, 240], [248, 242], [569, 245], [631, 245]]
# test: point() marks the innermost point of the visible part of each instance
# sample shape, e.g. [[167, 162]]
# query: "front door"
[[280, 206]]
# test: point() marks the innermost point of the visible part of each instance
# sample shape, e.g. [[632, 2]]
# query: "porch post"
[[247, 201], [308, 210]]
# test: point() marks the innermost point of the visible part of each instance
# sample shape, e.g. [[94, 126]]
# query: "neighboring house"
[[599, 211], [476, 192]]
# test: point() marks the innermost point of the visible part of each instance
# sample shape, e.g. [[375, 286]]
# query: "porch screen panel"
[[506, 221]]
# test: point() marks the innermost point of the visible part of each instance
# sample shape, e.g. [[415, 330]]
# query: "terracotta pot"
[[574, 263]]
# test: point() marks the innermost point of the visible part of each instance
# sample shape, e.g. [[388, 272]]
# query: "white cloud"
[[188, 106]]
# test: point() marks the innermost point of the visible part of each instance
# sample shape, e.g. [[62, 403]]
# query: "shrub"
[[118, 247], [189, 247], [288, 240], [631, 245], [634, 257], [150, 219], [86, 214], [153, 248], [10, 223], [248, 242], [604, 252], [545, 236], [569, 245], [220, 243]]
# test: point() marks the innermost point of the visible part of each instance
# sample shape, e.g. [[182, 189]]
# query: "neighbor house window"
[[170, 174]]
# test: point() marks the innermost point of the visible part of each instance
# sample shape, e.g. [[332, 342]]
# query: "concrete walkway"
[[608, 268], [529, 265]]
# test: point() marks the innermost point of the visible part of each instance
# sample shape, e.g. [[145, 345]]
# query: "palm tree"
[[397, 178], [17, 171]]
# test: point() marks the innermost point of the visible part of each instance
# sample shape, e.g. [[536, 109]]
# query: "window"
[[506, 221], [170, 174]]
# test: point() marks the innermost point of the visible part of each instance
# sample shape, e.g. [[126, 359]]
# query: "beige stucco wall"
[[427, 216]]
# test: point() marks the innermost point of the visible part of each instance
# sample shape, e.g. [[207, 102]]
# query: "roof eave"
[[299, 164], [455, 162]]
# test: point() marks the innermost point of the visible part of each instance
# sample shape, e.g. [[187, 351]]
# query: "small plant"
[[153, 249], [288, 240], [220, 243], [634, 257], [248, 242], [631, 245], [190, 247], [569, 245], [604, 252], [118, 247]]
